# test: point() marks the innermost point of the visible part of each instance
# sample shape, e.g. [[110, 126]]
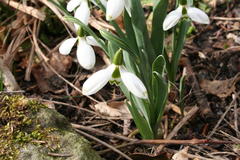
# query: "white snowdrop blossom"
[[82, 12], [115, 8], [193, 13], [85, 53], [99, 79]]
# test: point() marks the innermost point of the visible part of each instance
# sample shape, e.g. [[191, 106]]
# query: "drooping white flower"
[[82, 12], [193, 13], [99, 79], [85, 53], [115, 8]]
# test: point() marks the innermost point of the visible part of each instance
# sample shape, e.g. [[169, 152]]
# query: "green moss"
[[16, 125]]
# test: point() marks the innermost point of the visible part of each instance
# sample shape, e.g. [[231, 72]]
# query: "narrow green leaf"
[[181, 94], [141, 32], [159, 65], [179, 39], [56, 3], [157, 35], [160, 88], [130, 32], [142, 107], [112, 49], [116, 41], [141, 123]]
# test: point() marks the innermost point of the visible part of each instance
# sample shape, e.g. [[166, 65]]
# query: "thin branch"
[[104, 143], [97, 131], [26, 9]]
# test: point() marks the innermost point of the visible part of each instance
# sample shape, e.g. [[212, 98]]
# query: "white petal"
[[85, 54], [114, 9], [92, 41], [198, 15], [133, 83], [67, 46], [172, 18], [83, 12], [97, 81], [128, 6], [72, 4]]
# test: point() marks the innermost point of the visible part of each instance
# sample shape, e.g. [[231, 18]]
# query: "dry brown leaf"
[[181, 155], [113, 109], [46, 79], [220, 88]]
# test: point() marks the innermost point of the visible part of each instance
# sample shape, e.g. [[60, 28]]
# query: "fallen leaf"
[[220, 88], [46, 79], [181, 155], [113, 109]]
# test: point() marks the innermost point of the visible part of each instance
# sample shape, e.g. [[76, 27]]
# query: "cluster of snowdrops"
[[119, 71]]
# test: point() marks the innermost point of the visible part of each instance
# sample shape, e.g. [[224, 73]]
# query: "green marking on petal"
[[184, 11], [116, 73]]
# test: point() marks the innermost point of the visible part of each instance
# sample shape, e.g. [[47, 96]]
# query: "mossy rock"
[[31, 131]]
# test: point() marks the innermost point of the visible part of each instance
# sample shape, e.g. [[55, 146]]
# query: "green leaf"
[[160, 90], [157, 35], [116, 41], [141, 123], [179, 39], [159, 65], [56, 3], [130, 32], [112, 49], [143, 108], [146, 51], [181, 93]]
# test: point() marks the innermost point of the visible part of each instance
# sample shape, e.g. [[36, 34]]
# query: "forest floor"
[[210, 127]]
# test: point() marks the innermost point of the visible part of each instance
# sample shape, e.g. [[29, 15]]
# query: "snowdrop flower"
[[114, 8], [115, 72], [85, 53], [82, 12], [193, 13]]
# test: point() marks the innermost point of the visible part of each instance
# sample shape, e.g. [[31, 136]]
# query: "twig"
[[83, 109], [226, 18], [58, 13], [104, 143], [222, 117], [192, 112], [97, 131], [36, 46], [183, 142], [29, 66], [59, 155], [26, 9], [12, 92], [118, 146]]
